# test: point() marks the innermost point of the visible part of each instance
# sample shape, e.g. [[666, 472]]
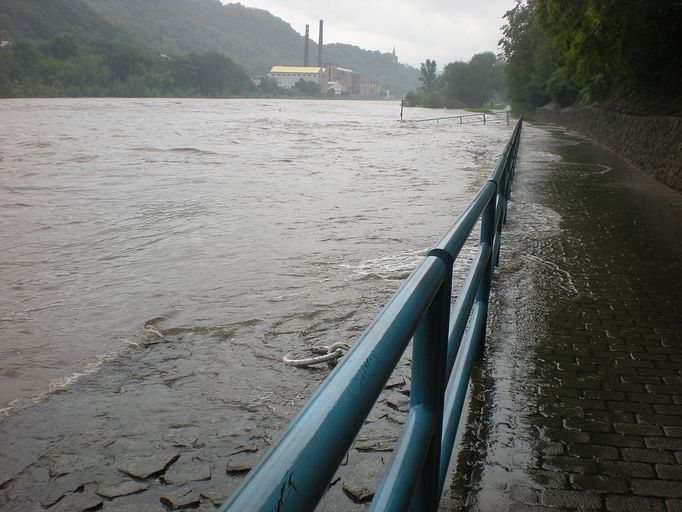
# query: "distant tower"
[[306, 51], [395, 57], [319, 48]]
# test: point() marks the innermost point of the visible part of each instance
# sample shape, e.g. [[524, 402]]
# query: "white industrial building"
[[287, 76]]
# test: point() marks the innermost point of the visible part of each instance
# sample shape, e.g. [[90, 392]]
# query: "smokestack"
[[319, 48], [306, 50]]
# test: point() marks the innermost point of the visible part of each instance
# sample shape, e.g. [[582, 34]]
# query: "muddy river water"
[[160, 257], [269, 224]]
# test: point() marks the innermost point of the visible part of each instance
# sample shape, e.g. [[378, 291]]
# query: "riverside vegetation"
[[188, 32], [624, 54], [585, 51], [63, 67], [461, 84]]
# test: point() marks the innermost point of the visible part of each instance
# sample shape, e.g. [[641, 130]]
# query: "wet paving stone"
[[122, 489], [361, 483], [181, 499], [77, 503], [379, 436], [187, 471], [244, 462], [147, 466], [146, 507], [217, 494]]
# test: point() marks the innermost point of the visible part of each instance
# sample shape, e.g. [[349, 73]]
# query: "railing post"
[[500, 215], [297, 470], [488, 238], [511, 163], [429, 356], [505, 192]]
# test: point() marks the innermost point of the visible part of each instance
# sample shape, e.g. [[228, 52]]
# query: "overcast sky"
[[444, 30]]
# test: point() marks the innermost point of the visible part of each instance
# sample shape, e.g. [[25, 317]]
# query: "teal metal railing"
[[468, 118], [296, 472]]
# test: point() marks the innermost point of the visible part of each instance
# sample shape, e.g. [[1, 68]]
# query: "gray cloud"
[[444, 30]]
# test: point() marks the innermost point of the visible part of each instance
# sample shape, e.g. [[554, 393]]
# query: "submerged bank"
[[651, 143]]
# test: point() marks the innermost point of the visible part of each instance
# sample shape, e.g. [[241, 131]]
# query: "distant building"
[[341, 78], [287, 76], [330, 78], [5, 43], [348, 82]]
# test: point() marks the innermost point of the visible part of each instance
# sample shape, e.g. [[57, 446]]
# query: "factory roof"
[[313, 70]]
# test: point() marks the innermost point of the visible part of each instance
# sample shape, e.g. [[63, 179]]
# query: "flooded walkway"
[[578, 403]]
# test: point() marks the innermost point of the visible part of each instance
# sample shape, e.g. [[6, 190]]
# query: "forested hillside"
[[253, 38], [38, 20]]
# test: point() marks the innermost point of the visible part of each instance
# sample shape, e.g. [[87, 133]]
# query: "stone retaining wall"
[[651, 143]]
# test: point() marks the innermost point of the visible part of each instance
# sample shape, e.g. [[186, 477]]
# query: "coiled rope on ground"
[[326, 354]]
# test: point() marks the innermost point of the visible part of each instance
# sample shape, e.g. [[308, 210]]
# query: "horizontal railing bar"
[[456, 390], [456, 237], [294, 474], [500, 167], [482, 114], [405, 467], [465, 300]]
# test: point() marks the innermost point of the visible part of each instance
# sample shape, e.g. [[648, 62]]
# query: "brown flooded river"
[[263, 225]]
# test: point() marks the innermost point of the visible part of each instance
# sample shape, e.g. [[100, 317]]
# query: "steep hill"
[[252, 37], [38, 20]]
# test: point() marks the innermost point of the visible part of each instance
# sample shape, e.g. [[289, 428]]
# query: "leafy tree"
[[473, 83], [213, 73], [103, 68], [63, 47], [428, 74], [6, 65], [26, 58], [126, 61], [185, 70], [524, 47], [307, 88], [219, 75], [269, 86], [592, 50]]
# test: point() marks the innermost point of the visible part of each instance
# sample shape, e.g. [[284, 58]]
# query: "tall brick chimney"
[[319, 48], [306, 50]]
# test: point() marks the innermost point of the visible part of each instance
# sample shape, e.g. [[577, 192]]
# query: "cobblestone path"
[[578, 402]]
